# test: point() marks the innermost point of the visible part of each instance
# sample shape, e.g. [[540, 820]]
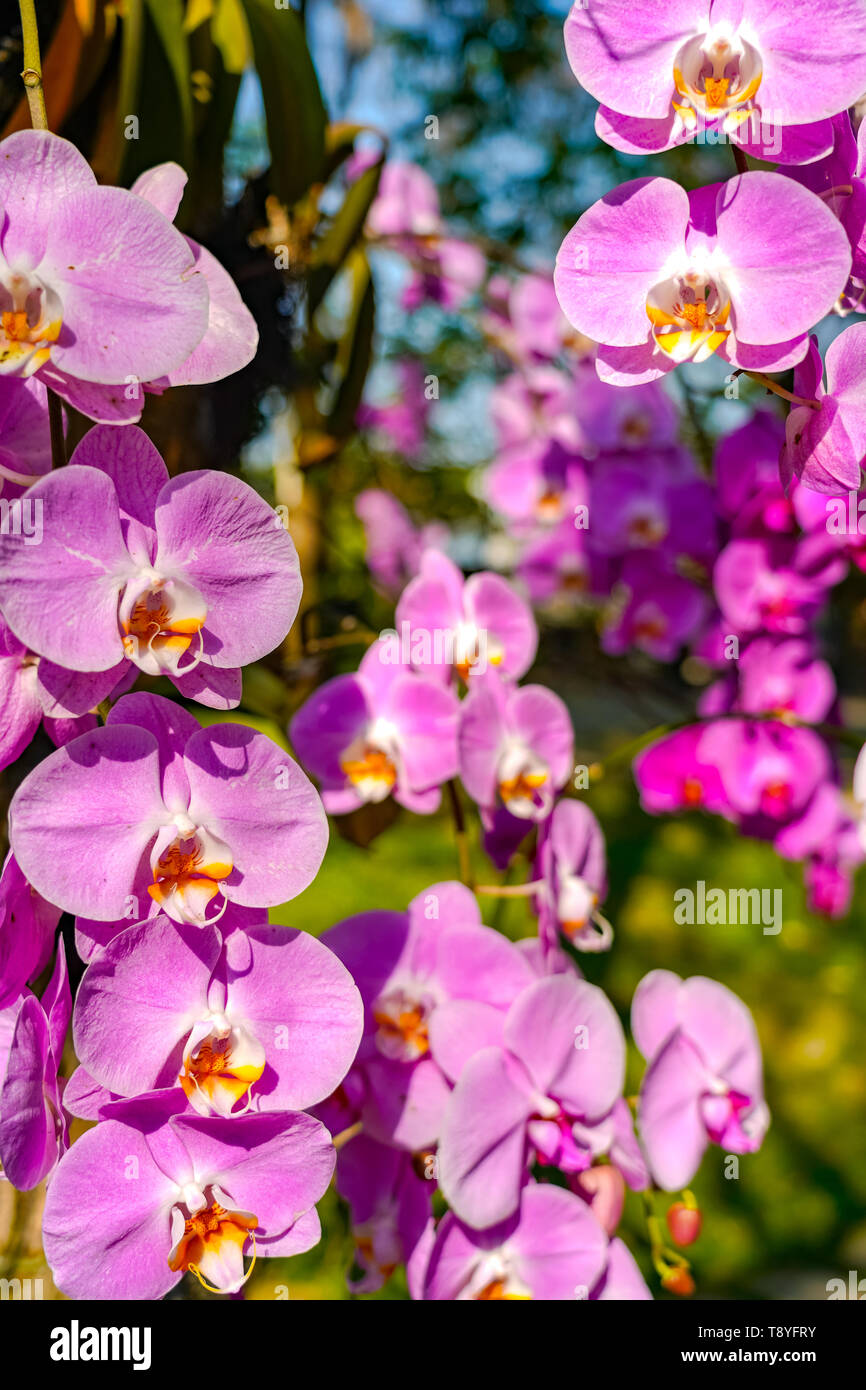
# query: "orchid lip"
[[30, 322], [161, 621], [717, 73], [221, 1064]]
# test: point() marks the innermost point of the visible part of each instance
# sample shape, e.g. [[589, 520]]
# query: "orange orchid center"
[[717, 74], [188, 872], [213, 1245], [401, 1026], [496, 1291], [689, 315], [30, 322], [160, 619], [693, 792], [221, 1063]]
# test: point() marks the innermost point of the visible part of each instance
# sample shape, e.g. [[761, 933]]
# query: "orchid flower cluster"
[[466, 1092]]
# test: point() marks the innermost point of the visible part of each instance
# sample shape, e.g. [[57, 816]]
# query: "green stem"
[[32, 79], [32, 74]]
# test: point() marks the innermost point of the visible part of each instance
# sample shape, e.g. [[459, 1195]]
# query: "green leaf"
[[167, 17], [331, 251], [355, 350], [294, 110]]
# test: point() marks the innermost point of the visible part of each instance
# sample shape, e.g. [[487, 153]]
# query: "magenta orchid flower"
[[541, 1091], [660, 503], [33, 1130], [703, 1082], [825, 448], [516, 746], [653, 608], [264, 1017], [27, 927], [402, 422], [465, 625], [673, 774], [34, 692], [433, 967], [756, 73], [743, 269], [190, 577], [774, 584], [168, 815], [384, 730], [571, 861], [775, 675], [141, 1198], [840, 179], [551, 1249], [394, 544], [80, 307], [389, 1203]]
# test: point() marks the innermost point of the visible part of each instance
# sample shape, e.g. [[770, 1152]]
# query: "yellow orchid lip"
[[30, 323], [717, 74], [220, 1069], [685, 325], [213, 1245], [188, 873]]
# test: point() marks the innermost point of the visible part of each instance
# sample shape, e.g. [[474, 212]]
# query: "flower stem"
[[346, 1134], [771, 385], [32, 79], [32, 74], [460, 832], [509, 890]]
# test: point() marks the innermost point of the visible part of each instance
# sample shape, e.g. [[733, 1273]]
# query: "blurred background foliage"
[[262, 102]]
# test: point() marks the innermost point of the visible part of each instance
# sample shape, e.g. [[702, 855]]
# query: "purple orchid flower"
[[652, 608], [141, 1198], [479, 621], [775, 675], [749, 494], [617, 421], [394, 544], [190, 577], [539, 482], [560, 572], [826, 448], [159, 809], [78, 307], [263, 1017], [407, 203], [840, 179], [660, 504], [703, 1082], [384, 730], [553, 1077], [539, 327], [27, 927], [516, 746], [33, 1131], [761, 75], [433, 967], [769, 771], [33, 692], [659, 276], [25, 437], [538, 404], [774, 584], [552, 1248], [389, 1204], [402, 422], [572, 867]]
